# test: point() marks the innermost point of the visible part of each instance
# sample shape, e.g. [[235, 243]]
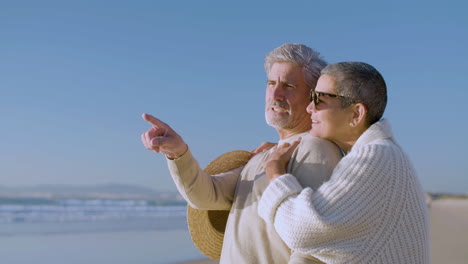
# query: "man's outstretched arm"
[[199, 189]]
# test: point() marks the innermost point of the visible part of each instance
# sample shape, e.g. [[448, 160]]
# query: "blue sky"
[[75, 77]]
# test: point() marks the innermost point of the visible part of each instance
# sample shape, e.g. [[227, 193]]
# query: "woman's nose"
[[311, 107]]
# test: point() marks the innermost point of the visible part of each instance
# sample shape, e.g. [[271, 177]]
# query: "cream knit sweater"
[[372, 209]]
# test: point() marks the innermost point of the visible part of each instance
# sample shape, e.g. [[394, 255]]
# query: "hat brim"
[[207, 227]]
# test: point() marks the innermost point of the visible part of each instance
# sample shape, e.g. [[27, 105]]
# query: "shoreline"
[[200, 261]]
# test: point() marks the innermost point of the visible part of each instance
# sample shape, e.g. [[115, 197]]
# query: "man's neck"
[[284, 134]]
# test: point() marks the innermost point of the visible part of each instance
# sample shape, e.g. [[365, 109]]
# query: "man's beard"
[[277, 121]]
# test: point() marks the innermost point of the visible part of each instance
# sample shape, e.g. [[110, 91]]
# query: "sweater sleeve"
[[200, 190], [350, 211]]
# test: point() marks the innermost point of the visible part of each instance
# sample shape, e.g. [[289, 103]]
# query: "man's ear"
[[359, 114]]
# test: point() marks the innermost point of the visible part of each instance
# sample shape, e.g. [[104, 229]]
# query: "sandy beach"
[[449, 232]]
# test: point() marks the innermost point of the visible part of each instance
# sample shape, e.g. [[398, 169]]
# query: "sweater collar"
[[293, 138], [379, 130]]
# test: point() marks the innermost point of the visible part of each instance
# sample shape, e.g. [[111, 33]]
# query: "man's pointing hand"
[[161, 138]]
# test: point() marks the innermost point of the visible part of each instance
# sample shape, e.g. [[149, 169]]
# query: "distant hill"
[[443, 195], [101, 191], [82, 189]]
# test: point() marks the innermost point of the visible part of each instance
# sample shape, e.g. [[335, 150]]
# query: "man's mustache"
[[281, 104]]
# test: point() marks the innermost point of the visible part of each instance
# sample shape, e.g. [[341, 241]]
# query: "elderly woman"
[[372, 209]]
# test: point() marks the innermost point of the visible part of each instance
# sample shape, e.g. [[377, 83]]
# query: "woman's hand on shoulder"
[[276, 162]]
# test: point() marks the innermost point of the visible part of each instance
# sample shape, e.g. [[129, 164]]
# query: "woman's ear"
[[359, 114]]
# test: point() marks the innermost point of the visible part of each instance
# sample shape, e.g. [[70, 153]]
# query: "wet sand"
[[449, 233]]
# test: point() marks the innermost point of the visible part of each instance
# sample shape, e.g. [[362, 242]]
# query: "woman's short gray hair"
[[310, 61], [360, 82]]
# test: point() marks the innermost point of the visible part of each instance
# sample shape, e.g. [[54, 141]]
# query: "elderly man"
[[292, 71]]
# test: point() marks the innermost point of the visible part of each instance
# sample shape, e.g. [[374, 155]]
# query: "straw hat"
[[207, 227]]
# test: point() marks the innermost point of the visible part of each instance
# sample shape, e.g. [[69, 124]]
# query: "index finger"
[[154, 121]]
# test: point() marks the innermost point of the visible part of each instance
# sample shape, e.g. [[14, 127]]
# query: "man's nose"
[[278, 92]]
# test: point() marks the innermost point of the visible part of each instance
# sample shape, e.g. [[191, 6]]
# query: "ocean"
[[94, 232]]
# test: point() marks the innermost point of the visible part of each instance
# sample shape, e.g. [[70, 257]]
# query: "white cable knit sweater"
[[372, 210]]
